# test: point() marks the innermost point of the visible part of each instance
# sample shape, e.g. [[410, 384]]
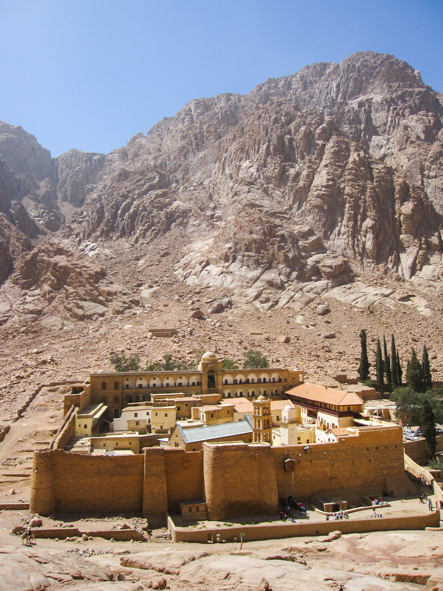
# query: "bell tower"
[[262, 420]]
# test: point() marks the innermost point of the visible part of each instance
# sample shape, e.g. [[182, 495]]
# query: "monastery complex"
[[214, 444]]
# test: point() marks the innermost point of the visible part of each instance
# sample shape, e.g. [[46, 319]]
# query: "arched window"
[[116, 399], [104, 386], [115, 385]]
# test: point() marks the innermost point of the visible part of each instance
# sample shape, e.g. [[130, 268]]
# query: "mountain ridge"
[[322, 186]]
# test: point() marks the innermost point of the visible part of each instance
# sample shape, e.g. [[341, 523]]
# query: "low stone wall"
[[14, 506], [418, 450], [66, 430], [119, 535], [268, 531]]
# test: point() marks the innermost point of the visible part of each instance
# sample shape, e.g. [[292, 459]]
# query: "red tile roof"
[[326, 395]]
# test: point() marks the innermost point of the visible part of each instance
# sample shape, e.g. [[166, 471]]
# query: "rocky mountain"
[[322, 186]]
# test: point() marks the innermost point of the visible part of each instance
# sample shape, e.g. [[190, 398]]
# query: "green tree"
[[427, 426], [410, 404], [379, 367], [414, 373], [363, 369], [123, 363], [427, 375], [255, 360], [399, 370], [229, 364], [169, 363], [387, 366], [394, 369]]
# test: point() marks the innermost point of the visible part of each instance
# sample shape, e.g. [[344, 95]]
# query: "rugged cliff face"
[[336, 162], [326, 184]]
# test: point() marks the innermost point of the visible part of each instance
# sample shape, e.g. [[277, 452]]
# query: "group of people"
[[292, 504], [338, 515], [424, 497]]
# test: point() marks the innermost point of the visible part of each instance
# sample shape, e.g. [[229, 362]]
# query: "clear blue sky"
[[90, 74]]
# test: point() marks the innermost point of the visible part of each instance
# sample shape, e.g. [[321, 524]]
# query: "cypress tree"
[[414, 373], [399, 370], [363, 369], [379, 368], [427, 376], [387, 365], [394, 366], [427, 426]]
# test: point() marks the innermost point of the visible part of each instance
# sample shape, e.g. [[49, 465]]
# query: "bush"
[[229, 364], [436, 464], [255, 360], [123, 363], [169, 364]]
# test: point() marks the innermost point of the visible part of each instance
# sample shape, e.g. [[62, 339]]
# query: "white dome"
[[209, 357]]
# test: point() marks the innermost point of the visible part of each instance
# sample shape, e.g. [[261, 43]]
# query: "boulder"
[[216, 308], [197, 314], [328, 335]]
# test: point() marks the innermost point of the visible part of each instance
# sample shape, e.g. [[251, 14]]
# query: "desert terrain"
[[285, 220]]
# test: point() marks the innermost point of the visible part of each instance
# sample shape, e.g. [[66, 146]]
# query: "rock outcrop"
[[322, 190]]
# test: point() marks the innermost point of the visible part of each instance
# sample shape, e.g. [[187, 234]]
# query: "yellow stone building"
[[116, 390]]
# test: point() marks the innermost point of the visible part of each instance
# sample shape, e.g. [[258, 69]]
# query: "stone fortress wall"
[[234, 479]]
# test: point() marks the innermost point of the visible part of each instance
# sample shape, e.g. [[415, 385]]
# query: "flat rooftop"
[[93, 411]]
